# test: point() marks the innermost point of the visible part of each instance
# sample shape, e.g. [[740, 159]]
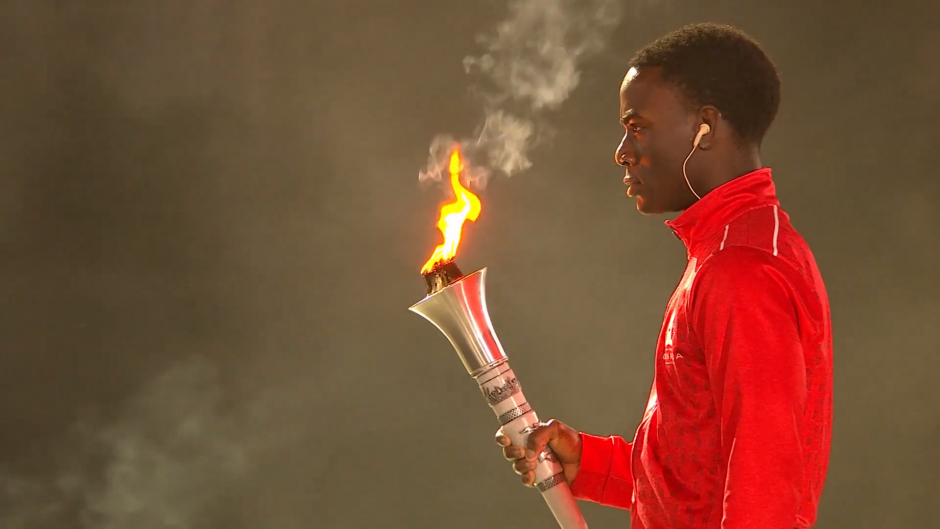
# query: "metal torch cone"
[[458, 310]]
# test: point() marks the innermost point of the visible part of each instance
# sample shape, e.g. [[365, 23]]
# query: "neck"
[[741, 163]]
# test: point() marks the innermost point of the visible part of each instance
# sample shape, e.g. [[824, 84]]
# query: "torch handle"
[[504, 395]]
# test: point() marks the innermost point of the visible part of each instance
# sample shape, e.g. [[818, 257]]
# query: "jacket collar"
[[704, 219]]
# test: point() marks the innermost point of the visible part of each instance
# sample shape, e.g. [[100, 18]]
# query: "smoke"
[[173, 452], [531, 64]]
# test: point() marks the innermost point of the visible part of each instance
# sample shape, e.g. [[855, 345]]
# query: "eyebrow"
[[628, 115]]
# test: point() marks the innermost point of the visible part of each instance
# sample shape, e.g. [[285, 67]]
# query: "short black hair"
[[720, 65]]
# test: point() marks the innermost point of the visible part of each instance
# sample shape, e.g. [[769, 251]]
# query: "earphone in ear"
[[703, 129]]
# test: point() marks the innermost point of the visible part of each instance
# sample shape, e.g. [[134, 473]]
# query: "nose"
[[625, 155]]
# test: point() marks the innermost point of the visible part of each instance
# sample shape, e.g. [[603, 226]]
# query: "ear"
[[710, 116]]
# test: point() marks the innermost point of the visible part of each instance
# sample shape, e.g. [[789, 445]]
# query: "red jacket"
[[737, 427]]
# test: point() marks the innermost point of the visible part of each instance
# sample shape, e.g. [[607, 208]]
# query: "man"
[[737, 427]]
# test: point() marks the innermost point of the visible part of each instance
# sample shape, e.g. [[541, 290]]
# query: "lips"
[[633, 185]]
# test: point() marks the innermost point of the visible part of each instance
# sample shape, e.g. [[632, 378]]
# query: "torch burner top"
[[442, 275]]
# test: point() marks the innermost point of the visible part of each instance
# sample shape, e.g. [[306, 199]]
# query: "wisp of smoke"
[[174, 451], [532, 62]]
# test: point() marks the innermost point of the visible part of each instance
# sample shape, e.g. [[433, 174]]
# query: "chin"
[[646, 207]]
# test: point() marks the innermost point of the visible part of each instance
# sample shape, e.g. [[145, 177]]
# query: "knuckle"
[[541, 433]]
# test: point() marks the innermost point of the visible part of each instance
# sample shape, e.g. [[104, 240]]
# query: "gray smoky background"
[[210, 233], [529, 65]]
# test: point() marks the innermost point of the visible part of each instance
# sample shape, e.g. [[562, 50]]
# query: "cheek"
[[640, 150], [662, 159], [653, 158]]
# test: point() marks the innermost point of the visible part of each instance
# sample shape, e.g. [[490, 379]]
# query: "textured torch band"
[[546, 484], [514, 414]]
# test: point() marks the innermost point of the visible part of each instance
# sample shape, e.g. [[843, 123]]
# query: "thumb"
[[541, 435]]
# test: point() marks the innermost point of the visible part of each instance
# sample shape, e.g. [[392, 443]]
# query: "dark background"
[[211, 228]]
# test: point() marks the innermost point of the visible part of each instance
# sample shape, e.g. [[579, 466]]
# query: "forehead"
[[643, 91]]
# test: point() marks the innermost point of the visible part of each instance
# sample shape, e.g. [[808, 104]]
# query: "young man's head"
[[700, 74]]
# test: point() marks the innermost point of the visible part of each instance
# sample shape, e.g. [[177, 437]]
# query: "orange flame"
[[465, 207]]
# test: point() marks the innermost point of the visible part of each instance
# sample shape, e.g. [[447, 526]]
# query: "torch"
[[456, 304]]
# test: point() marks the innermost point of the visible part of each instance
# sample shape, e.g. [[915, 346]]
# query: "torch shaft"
[[503, 393], [457, 307]]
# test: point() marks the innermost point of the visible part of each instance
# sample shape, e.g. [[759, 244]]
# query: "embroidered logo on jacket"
[[670, 355]]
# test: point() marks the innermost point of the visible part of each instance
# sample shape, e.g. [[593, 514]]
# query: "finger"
[[513, 452], [521, 466], [528, 479], [540, 437], [501, 438]]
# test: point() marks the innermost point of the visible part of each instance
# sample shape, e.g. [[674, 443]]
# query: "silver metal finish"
[[459, 312], [553, 481]]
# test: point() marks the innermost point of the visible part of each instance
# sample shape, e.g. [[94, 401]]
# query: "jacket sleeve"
[[744, 312], [604, 475]]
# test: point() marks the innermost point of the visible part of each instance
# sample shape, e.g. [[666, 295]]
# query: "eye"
[[634, 127]]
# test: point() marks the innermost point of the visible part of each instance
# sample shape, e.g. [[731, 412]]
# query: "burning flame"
[[465, 207]]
